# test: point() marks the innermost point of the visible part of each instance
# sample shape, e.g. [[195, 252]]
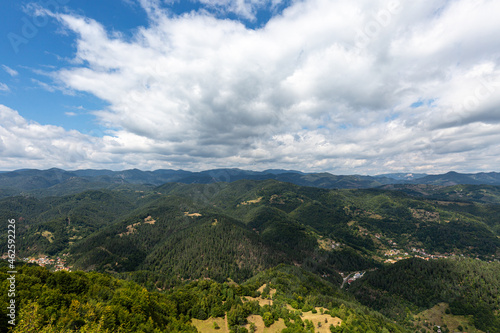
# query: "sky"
[[339, 86]]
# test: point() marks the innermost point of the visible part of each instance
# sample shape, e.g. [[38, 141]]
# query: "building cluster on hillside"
[[357, 275], [59, 264], [423, 254], [336, 245], [397, 255], [393, 243]]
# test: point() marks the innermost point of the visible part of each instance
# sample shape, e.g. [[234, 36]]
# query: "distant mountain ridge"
[[77, 180], [455, 178], [403, 176]]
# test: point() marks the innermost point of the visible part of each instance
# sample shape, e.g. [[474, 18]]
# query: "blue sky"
[[46, 47], [33, 56], [341, 86]]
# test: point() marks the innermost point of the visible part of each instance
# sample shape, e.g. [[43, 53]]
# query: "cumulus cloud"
[[343, 86], [28, 144], [24, 143]]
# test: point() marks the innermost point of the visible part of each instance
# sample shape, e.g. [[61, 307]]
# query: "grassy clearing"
[[325, 244], [271, 291], [324, 319], [192, 214], [257, 320], [208, 325], [320, 321], [130, 229], [259, 324], [249, 202], [261, 300], [48, 235], [149, 220], [274, 328], [437, 316]]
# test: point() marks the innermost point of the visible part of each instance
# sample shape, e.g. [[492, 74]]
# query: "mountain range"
[[56, 181]]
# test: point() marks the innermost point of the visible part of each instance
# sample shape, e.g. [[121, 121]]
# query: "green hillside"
[[93, 302], [256, 232], [470, 287], [249, 226]]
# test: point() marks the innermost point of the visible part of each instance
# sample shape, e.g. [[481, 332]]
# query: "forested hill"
[[284, 298], [469, 287], [249, 226], [164, 237], [60, 182]]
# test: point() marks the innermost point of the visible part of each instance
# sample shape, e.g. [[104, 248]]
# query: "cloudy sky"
[[344, 86]]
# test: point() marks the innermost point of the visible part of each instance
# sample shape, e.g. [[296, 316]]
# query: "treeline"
[[94, 302], [87, 302]]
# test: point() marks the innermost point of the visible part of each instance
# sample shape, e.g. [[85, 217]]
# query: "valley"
[[343, 253]]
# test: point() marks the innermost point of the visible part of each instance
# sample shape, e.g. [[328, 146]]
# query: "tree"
[[268, 319]]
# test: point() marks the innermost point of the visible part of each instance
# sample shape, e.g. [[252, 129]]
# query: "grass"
[[192, 214], [208, 325], [437, 316], [48, 235], [149, 220], [249, 202], [271, 291], [261, 300], [320, 318], [325, 244], [278, 326]]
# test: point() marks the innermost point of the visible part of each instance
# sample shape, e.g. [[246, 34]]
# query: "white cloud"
[[4, 87], [43, 85], [326, 85], [27, 144], [9, 70]]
